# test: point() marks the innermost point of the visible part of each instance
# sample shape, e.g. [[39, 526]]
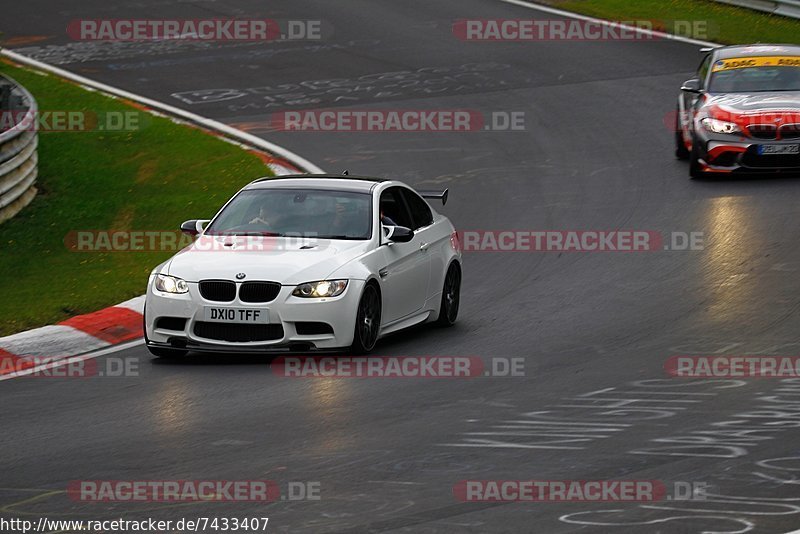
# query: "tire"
[[694, 163], [451, 296], [681, 152], [368, 321]]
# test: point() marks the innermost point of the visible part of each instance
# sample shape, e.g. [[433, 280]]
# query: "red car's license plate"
[[769, 150]]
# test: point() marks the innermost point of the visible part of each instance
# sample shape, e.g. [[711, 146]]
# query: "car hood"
[[748, 109], [285, 260], [755, 102]]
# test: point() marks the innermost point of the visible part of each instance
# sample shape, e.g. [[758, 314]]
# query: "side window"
[[702, 71], [393, 209], [420, 211]]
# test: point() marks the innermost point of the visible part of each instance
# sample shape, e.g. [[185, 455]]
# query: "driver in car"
[[261, 218], [387, 221]]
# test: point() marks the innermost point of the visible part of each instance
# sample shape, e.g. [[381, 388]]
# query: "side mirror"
[[191, 227], [399, 234], [692, 86]]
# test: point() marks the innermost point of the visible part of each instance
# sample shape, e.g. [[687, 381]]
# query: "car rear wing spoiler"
[[436, 195]]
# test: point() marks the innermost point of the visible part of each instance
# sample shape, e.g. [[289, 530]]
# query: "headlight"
[[721, 127], [321, 289], [170, 284]]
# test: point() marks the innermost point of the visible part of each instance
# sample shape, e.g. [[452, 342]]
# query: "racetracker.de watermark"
[[55, 367], [74, 121], [176, 241], [396, 367], [217, 29], [192, 491], [577, 240], [535, 30], [397, 120], [577, 491], [733, 367]]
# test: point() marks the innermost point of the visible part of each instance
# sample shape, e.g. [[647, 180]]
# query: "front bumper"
[[178, 321], [736, 154]]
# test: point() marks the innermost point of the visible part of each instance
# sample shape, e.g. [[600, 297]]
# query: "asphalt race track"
[[594, 329]]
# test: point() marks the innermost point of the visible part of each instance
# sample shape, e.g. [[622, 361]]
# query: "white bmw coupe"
[[306, 262]]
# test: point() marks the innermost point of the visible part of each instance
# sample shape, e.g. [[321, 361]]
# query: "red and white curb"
[[100, 332], [77, 335]]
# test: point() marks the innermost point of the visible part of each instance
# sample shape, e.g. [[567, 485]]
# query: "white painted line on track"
[[644, 31]]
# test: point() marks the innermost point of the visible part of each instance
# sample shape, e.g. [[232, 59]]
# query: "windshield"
[[296, 212], [756, 74]]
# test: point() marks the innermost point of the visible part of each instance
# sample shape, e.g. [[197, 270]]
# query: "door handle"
[[383, 272], [423, 247]]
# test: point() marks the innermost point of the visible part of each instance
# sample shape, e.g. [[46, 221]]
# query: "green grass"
[[727, 24], [151, 179]]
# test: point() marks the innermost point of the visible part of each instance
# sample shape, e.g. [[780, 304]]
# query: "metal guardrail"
[[786, 8], [18, 156]]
